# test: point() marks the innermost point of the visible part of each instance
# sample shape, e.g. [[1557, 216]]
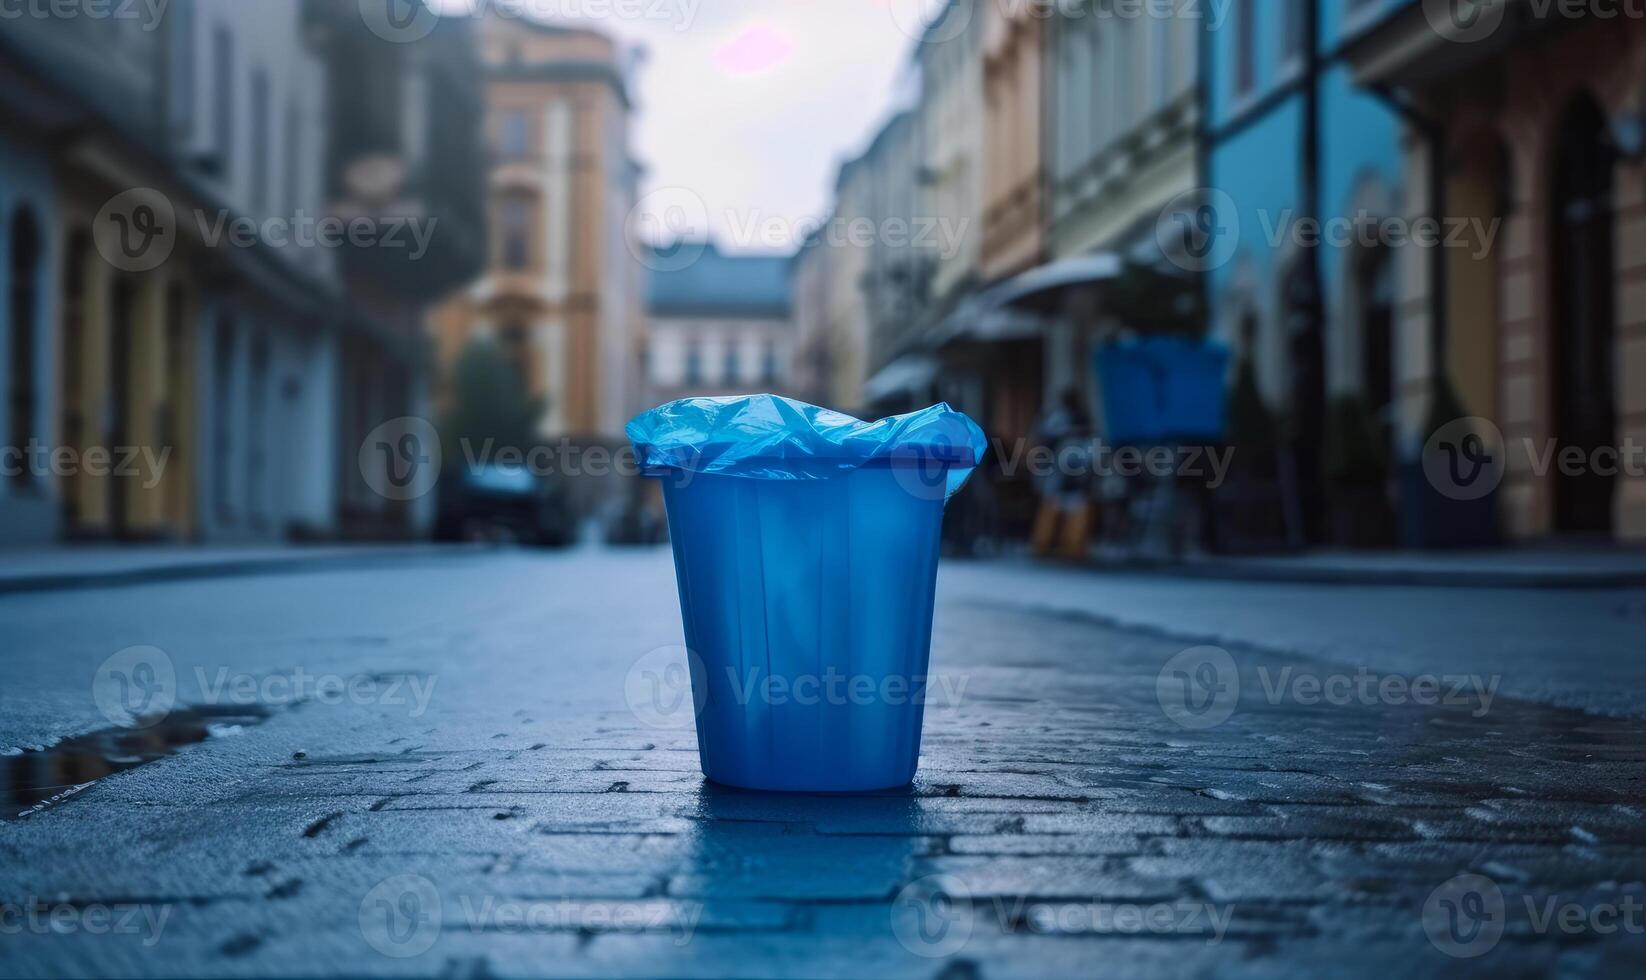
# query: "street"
[[463, 765]]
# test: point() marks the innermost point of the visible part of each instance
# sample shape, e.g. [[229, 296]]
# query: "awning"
[[903, 374], [1013, 309], [1043, 287]]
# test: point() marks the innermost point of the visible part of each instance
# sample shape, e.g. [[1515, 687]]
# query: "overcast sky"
[[745, 107]]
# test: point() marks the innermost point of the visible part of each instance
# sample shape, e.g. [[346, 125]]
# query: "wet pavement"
[[459, 770]]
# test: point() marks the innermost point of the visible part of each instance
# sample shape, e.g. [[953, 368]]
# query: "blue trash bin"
[[805, 546], [1159, 390]]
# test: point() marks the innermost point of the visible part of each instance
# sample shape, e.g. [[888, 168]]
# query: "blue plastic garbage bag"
[[767, 437], [805, 547]]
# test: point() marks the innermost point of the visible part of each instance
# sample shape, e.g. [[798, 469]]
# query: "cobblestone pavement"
[[1093, 802]]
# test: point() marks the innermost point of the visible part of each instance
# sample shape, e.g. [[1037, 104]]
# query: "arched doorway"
[[22, 307], [1582, 327]]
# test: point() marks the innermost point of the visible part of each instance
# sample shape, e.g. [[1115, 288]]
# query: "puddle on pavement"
[[39, 779]]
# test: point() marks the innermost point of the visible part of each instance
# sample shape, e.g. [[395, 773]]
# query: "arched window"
[[22, 307]]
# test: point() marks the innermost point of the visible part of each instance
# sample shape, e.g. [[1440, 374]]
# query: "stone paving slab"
[[1069, 820]]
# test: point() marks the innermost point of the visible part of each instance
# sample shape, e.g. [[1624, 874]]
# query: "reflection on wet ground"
[[39, 779]]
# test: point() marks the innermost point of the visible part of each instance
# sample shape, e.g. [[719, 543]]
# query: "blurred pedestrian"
[[1062, 525]]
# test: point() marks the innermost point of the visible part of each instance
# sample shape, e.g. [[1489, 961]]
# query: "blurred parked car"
[[503, 503]]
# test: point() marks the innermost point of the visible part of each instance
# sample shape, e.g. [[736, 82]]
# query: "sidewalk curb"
[[208, 568], [1236, 571], [1431, 578]]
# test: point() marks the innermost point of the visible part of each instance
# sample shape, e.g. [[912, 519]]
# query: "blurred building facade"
[[845, 354], [949, 115], [719, 325], [1120, 148], [1538, 127], [157, 180], [1089, 132], [1013, 171], [561, 293], [810, 288], [1291, 141], [404, 143]]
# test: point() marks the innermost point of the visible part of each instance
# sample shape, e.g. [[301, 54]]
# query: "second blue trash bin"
[[805, 546]]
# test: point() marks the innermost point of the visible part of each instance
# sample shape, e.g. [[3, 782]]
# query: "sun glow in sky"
[[749, 105]]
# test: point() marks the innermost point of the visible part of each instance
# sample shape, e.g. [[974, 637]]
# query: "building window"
[[1245, 47], [222, 385], [72, 349], [257, 397], [21, 307], [694, 361], [176, 328], [260, 141], [414, 117], [513, 338], [731, 370], [516, 233], [222, 74], [768, 364], [294, 160], [180, 69], [1291, 31], [514, 142], [1161, 53], [1125, 80]]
